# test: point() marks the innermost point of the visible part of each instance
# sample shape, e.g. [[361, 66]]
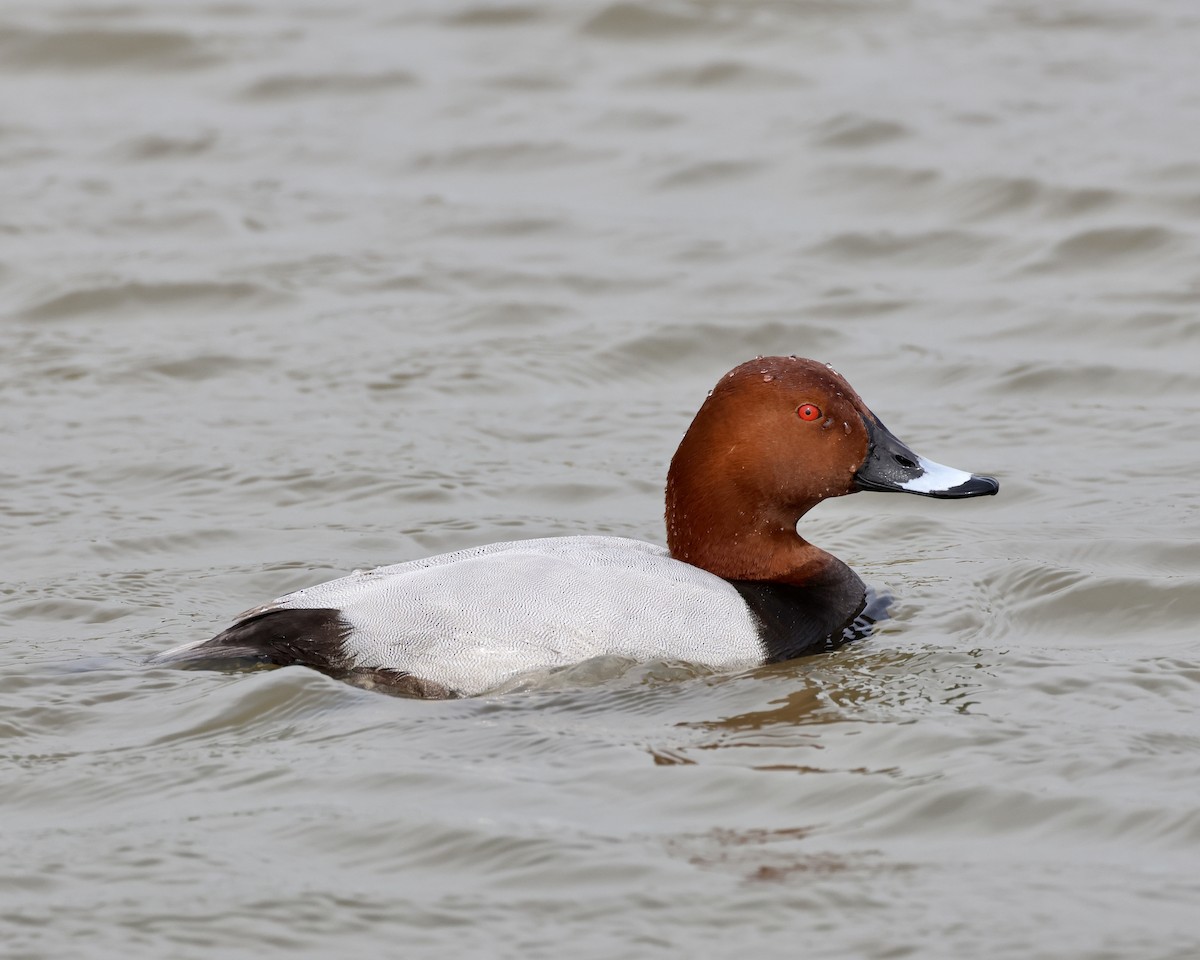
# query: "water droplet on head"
[[710, 393], [845, 426], [767, 378], [758, 356]]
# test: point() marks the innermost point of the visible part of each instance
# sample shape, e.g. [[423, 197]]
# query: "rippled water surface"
[[292, 288]]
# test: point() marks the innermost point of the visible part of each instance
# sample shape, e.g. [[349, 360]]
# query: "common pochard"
[[735, 586]]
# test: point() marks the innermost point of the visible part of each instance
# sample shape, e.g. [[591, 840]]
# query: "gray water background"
[[292, 288]]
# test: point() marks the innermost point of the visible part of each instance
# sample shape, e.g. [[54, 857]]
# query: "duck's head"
[[775, 437]]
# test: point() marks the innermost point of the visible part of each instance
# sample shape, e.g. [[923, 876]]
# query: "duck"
[[735, 586]]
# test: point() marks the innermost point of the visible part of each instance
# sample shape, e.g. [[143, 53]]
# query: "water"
[[293, 289]]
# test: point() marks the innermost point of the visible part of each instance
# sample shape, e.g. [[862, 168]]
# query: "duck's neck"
[[709, 528]]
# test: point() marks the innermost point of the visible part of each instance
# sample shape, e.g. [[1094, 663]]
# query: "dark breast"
[[795, 621]]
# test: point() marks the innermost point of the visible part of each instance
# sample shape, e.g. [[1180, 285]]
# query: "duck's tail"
[[309, 637]]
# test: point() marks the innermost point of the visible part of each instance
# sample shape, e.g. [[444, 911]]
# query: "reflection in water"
[[857, 687], [772, 856]]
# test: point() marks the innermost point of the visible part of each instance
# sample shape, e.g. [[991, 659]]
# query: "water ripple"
[[82, 49], [293, 86], [136, 296]]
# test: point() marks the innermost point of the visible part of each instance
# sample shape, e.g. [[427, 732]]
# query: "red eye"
[[808, 411]]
